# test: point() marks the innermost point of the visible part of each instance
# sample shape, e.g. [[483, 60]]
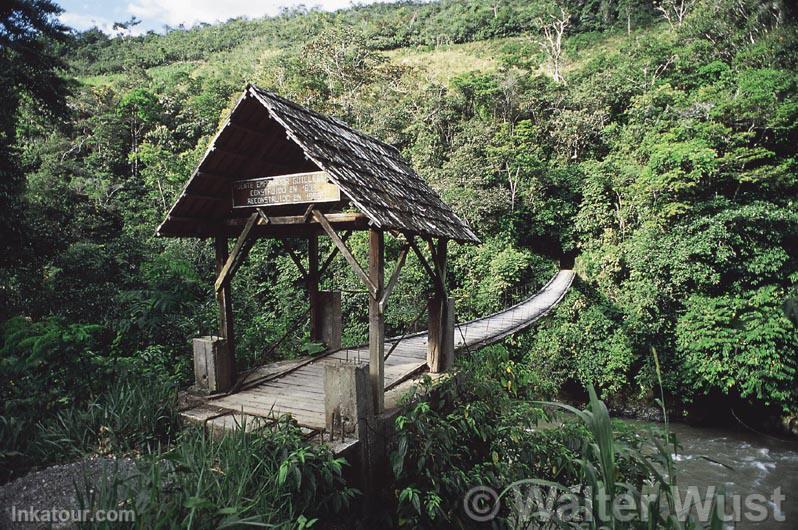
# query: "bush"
[[48, 364], [584, 340], [741, 345], [472, 434], [45, 366]]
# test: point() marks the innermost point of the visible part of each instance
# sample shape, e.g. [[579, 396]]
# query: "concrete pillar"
[[213, 365], [348, 403], [350, 416]]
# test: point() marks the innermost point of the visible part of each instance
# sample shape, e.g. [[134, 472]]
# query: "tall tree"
[[30, 69], [552, 29]]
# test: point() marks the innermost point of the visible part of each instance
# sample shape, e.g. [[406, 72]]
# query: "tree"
[[140, 108], [30, 69], [731, 25], [675, 11], [553, 28], [740, 343], [343, 64]]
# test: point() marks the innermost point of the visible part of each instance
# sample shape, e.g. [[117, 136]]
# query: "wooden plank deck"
[[297, 388]]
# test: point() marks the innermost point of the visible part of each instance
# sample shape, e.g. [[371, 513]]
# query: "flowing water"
[[759, 468]]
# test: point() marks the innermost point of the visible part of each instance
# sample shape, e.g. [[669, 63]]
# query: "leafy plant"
[[741, 344], [253, 476], [138, 414]]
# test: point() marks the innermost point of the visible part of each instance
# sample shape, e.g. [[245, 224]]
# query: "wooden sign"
[[297, 188]]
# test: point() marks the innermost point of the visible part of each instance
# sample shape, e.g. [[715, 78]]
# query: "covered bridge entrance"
[[278, 170]]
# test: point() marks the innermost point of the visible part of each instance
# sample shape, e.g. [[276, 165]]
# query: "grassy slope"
[[439, 64]]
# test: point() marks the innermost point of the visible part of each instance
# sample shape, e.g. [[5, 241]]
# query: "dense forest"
[[650, 145]]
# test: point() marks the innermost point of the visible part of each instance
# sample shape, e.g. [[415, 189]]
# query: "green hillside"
[[661, 163]]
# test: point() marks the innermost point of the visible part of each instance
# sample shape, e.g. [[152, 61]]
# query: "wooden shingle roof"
[[370, 173]]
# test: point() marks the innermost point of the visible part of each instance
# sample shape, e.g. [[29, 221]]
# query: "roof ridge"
[[337, 121]]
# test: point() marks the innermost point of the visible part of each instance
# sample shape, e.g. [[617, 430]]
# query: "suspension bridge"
[[297, 387], [279, 171]]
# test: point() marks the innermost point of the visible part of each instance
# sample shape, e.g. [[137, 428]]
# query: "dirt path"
[[54, 488]]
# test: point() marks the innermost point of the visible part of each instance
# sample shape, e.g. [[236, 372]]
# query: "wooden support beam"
[[440, 338], [225, 303], [308, 213], [332, 218], [333, 253], [240, 251], [377, 319], [288, 231], [312, 284], [394, 277], [344, 250], [440, 264], [438, 254], [431, 272], [264, 219], [296, 259]]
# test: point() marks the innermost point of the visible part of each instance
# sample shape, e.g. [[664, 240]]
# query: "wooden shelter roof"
[[268, 135]]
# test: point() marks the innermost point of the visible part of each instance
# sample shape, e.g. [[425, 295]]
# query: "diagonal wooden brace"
[[394, 277], [240, 251], [344, 250], [440, 286], [333, 253], [296, 259]]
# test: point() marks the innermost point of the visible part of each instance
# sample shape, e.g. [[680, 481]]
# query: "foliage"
[[137, 414], [44, 365], [469, 432], [664, 161], [740, 343], [268, 477], [586, 340], [602, 484], [29, 35], [61, 398], [489, 275]]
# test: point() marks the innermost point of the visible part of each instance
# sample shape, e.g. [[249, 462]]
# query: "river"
[[760, 465]]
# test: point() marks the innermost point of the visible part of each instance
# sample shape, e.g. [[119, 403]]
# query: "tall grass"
[[269, 477], [654, 498], [135, 415]]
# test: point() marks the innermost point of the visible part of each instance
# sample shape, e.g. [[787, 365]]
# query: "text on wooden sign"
[[297, 188]]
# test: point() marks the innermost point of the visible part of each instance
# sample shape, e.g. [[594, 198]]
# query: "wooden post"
[[376, 319], [312, 282], [440, 337], [225, 303], [329, 319]]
